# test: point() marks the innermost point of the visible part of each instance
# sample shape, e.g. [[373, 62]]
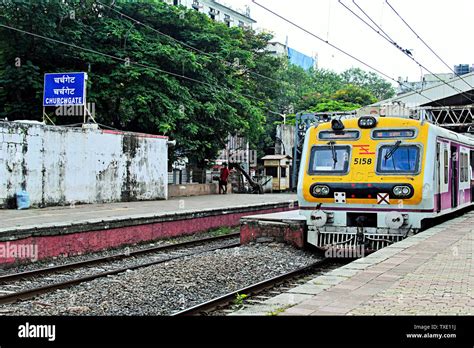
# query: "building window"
[[271, 171], [176, 2], [212, 13], [227, 19], [196, 5], [241, 24]]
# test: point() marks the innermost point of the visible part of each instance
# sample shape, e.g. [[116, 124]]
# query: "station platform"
[[431, 273], [73, 230]]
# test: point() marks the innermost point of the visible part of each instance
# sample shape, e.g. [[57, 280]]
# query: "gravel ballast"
[[169, 287]]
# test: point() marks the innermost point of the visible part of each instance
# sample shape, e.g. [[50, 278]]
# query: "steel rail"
[[228, 298], [94, 261], [31, 293]]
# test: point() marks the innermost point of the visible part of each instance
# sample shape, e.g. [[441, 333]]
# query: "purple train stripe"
[[371, 209]]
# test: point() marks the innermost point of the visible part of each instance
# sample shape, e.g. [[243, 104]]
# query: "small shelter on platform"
[[278, 166]]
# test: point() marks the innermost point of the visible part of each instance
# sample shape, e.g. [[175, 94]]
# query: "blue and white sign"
[[64, 89]]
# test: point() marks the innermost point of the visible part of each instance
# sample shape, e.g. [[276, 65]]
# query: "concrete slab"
[[288, 299], [286, 215], [309, 289]]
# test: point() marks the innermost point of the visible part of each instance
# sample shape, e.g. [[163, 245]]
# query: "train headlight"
[[367, 122], [401, 191], [320, 190]]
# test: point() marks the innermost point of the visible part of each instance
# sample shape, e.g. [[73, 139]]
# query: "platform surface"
[[292, 215], [54, 216], [431, 273]]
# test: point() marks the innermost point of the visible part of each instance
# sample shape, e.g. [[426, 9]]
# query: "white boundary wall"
[[63, 165]]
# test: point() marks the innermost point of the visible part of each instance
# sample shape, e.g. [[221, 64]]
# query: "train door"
[[471, 172], [454, 177], [438, 177]]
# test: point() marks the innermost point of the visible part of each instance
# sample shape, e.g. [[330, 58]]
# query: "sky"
[[445, 26]]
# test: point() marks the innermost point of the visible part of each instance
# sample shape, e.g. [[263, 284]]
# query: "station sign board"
[[64, 89]]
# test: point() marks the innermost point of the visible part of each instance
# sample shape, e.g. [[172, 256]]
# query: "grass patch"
[[221, 231], [279, 310], [239, 299]]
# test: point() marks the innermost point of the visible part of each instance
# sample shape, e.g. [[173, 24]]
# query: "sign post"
[[65, 89]]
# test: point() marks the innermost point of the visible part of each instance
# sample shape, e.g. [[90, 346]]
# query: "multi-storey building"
[[295, 57], [218, 11]]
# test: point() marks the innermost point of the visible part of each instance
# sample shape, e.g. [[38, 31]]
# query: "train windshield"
[[398, 159], [329, 159]]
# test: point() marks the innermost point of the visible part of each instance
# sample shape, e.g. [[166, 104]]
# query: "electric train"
[[372, 181]]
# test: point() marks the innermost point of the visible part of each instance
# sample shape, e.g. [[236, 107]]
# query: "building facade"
[[218, 12], [294, 57]]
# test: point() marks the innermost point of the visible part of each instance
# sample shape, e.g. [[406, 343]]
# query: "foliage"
[[141, 96], [279, 310], [221, 231], [239, 299], [354, 94], [379, 87]]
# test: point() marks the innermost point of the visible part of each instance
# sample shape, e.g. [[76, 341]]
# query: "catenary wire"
[[339, 49]]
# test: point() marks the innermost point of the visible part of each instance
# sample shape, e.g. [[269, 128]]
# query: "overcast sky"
[[445, 25]]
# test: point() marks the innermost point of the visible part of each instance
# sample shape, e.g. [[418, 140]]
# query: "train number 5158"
[[363, 161]]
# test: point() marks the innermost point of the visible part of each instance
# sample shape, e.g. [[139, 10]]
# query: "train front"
[[361, 182]]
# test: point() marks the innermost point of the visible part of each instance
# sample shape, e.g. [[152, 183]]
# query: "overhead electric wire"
[[339, 49], [424, 43], [405, 51], [185, 44], [126, 60]]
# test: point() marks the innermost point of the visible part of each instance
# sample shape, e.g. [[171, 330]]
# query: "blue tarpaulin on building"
[[300, 59]]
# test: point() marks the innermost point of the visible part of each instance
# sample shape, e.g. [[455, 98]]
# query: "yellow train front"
[[367, 182]]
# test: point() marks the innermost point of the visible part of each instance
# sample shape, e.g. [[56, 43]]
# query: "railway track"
[[17, 286], [227, 299]]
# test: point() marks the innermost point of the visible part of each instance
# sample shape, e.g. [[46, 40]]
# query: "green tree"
[[229, 98], [354, 94], [379, 87]]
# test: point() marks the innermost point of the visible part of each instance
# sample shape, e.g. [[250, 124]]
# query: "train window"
[[329, 159], [348, 135], [401, 159], [465, 166], [395, 133], [446, 166]]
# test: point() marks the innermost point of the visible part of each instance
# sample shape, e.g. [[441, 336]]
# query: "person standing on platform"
[[223, 179]]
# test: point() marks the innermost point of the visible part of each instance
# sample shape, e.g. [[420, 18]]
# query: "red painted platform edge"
[[88, 226], [292, 233], [36, 248]]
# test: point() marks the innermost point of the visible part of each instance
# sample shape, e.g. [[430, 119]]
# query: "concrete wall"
[[186, 190], [63, 165], [286, 133]]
